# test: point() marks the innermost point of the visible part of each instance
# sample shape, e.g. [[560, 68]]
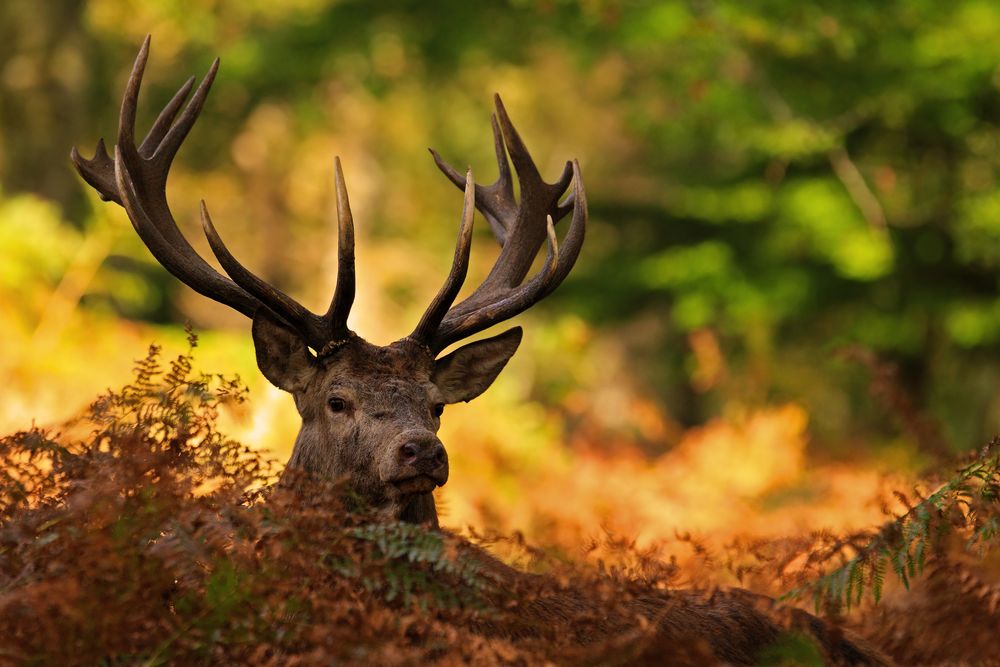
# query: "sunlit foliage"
[[151, 537], [789, 177], [786, 306]]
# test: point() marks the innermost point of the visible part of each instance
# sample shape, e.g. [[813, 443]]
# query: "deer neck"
[[420, 509]]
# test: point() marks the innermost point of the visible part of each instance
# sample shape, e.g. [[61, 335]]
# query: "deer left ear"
[[471, 369], [282, 356]]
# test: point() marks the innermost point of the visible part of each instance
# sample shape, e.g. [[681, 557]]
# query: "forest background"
[[788, 298]]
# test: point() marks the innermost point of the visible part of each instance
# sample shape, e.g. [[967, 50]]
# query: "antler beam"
[[520, 227], [136, 179]]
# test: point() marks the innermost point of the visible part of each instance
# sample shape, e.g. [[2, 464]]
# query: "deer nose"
[[426, 451]]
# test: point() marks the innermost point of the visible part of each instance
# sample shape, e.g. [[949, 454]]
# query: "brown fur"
[[389, 396], [370, 414], [687, 627], [390, 393]]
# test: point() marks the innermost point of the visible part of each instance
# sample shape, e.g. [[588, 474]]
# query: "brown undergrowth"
[[141, 535]]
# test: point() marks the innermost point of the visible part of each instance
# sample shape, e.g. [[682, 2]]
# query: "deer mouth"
[[418, 484]]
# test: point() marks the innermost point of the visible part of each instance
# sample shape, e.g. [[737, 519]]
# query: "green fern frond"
[[969, 502]]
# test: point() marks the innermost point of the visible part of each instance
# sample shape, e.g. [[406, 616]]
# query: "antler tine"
[[98, 172], [189, 268], [526, 231], [519, 155], [179, 130], [343, 296], [521, 227], [522, 223], [438, 308], [140, 186], [130, 101], [165, 120], [313, 328], [495, 201], [457, 326], [136, 178], [573, 241]]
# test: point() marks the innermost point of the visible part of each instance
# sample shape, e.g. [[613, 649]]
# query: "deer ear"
[[470, 370], [282, 355]]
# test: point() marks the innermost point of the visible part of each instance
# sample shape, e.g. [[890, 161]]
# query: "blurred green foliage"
[[791, 177]]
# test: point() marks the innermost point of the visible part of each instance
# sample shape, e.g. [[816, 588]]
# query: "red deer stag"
[[371, 413]]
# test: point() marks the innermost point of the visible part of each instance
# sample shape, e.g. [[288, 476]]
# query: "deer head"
[[369, 412]]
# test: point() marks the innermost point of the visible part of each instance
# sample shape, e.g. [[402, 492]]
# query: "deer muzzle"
[[420, 463]]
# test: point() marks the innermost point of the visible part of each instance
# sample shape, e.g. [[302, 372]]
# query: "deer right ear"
[[470, 370], [282, 355]]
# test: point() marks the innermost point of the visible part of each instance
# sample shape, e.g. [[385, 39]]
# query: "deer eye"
[[337, 404], [438, 409]]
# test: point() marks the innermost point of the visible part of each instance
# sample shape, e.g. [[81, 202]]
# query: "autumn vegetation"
[[774, 367], [141, 534]]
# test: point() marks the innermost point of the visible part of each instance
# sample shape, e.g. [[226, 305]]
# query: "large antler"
[[521, 227], [136, 178]]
